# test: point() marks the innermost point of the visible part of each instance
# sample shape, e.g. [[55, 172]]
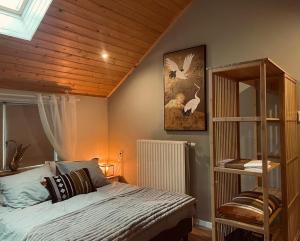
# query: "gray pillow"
[[25, 189], [96, 173]]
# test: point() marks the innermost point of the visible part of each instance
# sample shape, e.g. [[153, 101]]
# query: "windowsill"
[[22, 169]]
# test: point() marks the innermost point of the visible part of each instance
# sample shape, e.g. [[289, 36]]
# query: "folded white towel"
[[255, 163], [256, 169]]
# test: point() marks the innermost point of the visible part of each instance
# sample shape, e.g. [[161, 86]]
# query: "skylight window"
[[13, 5], [21, 18]]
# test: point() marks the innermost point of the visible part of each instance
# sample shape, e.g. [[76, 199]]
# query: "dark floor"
[[199, 234]]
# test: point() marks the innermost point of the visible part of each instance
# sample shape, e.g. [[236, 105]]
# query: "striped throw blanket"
[[115, 218]]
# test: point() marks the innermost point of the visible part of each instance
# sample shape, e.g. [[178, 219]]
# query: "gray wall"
[[233, 30]]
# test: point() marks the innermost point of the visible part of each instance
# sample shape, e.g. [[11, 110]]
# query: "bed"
[[116, 211]]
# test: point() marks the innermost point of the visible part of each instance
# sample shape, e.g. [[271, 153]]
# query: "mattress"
[[21, 224]]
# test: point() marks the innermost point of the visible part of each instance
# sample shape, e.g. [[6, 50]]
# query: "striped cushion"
[[248, 208], [69, 185]]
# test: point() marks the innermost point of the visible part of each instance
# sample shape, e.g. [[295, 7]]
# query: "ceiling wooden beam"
[[99, 41], [97, 33], [82, 17], [10, 58], [56, 74], [53, 57], [124, 11], [65, 53], [149, 50]]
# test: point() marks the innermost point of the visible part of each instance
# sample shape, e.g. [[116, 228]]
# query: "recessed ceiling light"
[[104, 55]]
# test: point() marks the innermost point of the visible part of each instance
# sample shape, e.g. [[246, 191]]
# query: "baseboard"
[[201, 223]]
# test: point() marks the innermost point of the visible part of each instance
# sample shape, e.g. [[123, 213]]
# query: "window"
[[21, 18], [21, 124], [14, 6]]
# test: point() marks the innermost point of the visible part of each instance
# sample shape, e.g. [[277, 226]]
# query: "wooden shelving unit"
[[237, 119], [274, 111]]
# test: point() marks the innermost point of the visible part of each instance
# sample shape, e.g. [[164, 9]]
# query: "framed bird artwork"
[[185, 97]]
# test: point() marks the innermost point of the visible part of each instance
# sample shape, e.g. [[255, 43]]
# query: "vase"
[[14, 165]]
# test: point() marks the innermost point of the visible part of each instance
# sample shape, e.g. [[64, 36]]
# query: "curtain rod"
[[26, 96], [18, 95]]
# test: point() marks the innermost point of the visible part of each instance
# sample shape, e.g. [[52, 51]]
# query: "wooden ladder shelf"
[[253, 115]]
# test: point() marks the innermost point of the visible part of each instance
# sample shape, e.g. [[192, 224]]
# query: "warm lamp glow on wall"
[[108, 169]]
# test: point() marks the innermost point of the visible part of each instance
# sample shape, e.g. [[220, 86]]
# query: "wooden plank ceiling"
[[65, 52]]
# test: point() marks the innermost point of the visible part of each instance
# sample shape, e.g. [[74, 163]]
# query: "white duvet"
[[15, 224], [122, 211]]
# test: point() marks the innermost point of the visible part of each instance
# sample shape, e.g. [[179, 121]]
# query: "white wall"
[[92, 122], [92, 128]]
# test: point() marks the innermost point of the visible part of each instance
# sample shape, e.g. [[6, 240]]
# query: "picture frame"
[[185, 89]]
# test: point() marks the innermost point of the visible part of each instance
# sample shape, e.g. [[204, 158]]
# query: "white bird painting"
[[175, 72], [184, 89], [192, 104]]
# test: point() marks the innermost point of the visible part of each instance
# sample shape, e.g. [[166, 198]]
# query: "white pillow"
[[25, 189]]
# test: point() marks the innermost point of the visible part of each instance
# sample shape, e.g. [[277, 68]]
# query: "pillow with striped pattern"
[[65, 186], [248, 207]]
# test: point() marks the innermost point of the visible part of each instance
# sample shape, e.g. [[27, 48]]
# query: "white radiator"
[[163, 165]]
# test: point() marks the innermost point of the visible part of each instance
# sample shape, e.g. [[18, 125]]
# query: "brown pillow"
[[65, 186], [248, 208]]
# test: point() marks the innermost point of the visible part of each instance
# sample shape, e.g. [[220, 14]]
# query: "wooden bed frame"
[[179, 232]]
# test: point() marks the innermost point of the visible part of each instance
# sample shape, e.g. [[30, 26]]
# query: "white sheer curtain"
[[59, 120]]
